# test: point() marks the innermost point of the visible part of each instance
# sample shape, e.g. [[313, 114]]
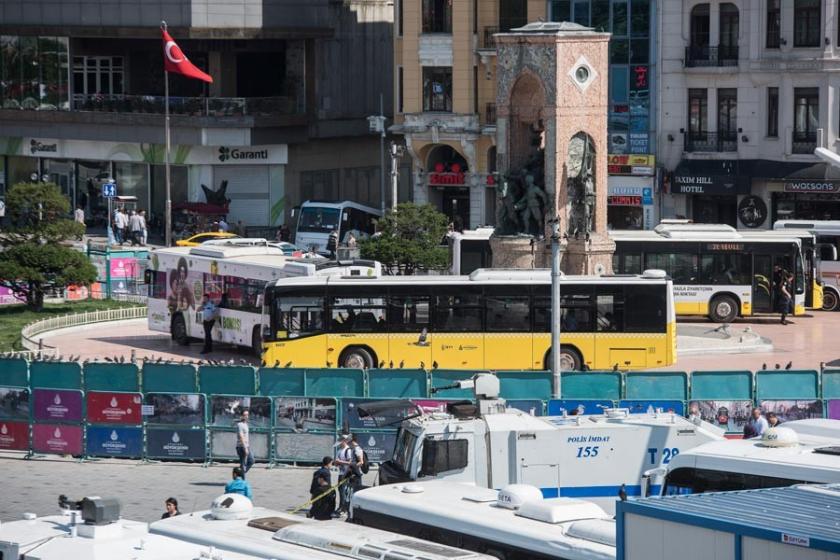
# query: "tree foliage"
[[409, 239], [33, 257]]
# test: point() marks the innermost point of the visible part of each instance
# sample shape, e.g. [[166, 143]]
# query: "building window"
[[698, 109], [437, 89], [700, 26], [398, 5], [581, 14], [512, 14], [561, 10], [619, 18], [34, 73], [773, 112], [727, 119], [437, 16], [98, 74], [728, 31], [399, 89], [806, 117], [774, 24], [475, 89], [806, 23]]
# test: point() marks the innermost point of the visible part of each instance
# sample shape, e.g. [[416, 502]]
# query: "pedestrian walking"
[[135, 227], [79, 215], [345, 461], [360, 465], [209, 311], [784, 297], [238, 485], [120, 225], [144, 228], [757, 424], [171, 505], [332, 243], [321, 493], [243, 443]]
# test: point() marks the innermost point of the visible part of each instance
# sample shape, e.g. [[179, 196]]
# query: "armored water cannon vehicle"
[[592, 457]]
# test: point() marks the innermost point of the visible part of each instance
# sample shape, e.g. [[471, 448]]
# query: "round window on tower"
[[582, 74]]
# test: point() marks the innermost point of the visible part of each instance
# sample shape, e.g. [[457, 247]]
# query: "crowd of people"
[[760, 423], [128, 226], [351, 461]]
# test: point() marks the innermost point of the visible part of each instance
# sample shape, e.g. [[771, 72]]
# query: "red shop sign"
[[446, 178], [624, 200], [114, 408], [14, 435]]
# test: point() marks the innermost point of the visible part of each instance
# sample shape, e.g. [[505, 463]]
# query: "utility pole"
[[376, 123], [556, 385], [397, 151]]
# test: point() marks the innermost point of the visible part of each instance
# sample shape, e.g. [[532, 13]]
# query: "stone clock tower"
[[551, 100]]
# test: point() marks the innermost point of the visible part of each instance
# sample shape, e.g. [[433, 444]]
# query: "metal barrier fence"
[[30, 331], [186, 413]]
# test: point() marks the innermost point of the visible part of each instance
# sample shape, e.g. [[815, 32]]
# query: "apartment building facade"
[[748, 89], [445, 96], [81, 101]]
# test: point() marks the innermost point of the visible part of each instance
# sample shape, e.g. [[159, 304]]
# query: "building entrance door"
[[456, 206]]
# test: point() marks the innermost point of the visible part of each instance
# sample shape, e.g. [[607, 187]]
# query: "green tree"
[[410, 239], [34, 256]]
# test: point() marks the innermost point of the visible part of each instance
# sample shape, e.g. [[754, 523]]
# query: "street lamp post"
[[397, 151], [556, 385]]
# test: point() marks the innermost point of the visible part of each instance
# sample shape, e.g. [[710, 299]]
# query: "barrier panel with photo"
[[169, 378], [174, 409], [231, 380], [642, 406], [665, 385], [726, 385], [15, 404], [604, 385], [105, 407], [335, 382], [114, 441], [787, 410], [305, 414], [14, 372], [225, 411], [58, 439], [279, 382], [398, 383], [55, 375], [731, 415], [182, 444], [792, 384], [112, 377], [577, 407]]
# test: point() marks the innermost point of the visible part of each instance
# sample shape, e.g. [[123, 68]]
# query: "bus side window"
[[407, 313], [610, 302], [295, 317]]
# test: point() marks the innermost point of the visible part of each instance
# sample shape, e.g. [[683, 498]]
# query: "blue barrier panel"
[[831, 383], [124, 378], [169, 378], [605, 385], [533, 407], [525, 384], [183, 444], [308, 448], [721, 385], [15, 403], [335, 383], [578, 406], [792, 384], [379, 446], [641, 406], [114, 441], [55, 375], [227, 380], [669, 385], [305, 414], [281, 381], [793, 409], [14, 372], [401, 383], [444, 377], [223, 445], [226, 410]]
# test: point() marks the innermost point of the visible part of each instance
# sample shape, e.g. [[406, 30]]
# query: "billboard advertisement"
[[226, 410], [302, 414], [114, 441], [58, 439], [114, 408], [57, 405], [176, 444], [179, 409], [14, 403], [14, 436]]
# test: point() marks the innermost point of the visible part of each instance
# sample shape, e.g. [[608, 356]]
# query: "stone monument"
[[551, 128]]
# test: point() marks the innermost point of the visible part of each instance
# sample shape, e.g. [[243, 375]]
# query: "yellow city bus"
[[491, 319]]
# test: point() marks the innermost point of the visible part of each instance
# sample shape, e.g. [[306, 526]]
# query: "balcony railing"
[[195, 106], [711, 142], [804, 142], [490, 114], [489, 42], [705, 56]]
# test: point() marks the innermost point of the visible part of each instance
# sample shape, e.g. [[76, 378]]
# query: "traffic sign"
[[109, 190]]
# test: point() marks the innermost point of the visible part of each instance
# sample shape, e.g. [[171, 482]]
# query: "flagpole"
[[168, 218]]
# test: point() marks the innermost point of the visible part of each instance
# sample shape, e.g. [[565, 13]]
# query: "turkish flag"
[[175, 61]]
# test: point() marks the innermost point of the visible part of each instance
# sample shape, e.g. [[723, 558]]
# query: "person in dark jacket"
[[321, 492], [332, 243]]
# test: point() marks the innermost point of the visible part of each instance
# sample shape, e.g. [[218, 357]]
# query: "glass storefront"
[[133, 180], [715, 209], [60, 172], [89, 177], [34, 73], [179, 192], [20, 169], [625, 216], [806, 206]]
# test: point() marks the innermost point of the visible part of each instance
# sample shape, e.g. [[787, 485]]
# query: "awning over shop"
[[720, 177], [797, 177]]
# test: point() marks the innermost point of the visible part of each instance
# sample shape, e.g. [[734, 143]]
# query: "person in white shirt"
[[120, 225], [243, 444], [79, 215], [223, 226], [345, 461], [757, 424], [144, 228], [135, 226]]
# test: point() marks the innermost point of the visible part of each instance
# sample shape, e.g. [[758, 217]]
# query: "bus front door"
[[762, 284]]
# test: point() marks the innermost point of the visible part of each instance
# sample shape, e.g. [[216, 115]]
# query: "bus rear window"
[[157, 284]]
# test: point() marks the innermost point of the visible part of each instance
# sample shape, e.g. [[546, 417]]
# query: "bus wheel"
[[570, 359], [723, 309], [256, 343], [830, 300], [356, 358], [179, 331]]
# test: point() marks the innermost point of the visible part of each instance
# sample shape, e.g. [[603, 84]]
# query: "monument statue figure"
[[508, 216], [580, 187], [531, 206]]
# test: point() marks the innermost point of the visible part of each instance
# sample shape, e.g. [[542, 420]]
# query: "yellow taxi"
[[200, 238]]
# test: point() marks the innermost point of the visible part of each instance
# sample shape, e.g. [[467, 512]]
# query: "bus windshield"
[[403, 449], [318, 220]]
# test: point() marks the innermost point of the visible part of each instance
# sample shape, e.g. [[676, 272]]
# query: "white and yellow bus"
[[716, 270], [491, 319]]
